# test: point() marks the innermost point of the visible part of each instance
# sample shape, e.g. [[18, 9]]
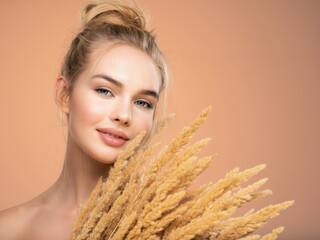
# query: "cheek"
[[144, 121], [87, 111]]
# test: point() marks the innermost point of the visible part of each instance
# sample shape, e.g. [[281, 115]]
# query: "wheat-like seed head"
[[156, 203]]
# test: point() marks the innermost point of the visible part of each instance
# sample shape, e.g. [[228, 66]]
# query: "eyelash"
[[145, 104], [107, 92], [99, 90]]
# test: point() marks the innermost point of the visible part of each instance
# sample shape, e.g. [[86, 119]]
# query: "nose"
[[121, 113]]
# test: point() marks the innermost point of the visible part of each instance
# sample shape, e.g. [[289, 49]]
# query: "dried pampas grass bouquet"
[[156, 202]]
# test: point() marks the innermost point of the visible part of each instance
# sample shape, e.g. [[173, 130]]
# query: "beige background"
[[257, 63]]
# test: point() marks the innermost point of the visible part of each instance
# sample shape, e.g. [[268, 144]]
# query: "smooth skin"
[[118, 89]]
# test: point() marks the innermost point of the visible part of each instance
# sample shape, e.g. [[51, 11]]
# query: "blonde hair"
[[111, 21]]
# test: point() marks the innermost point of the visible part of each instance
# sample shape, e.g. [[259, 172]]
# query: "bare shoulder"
[[37, 219], [14, 221]]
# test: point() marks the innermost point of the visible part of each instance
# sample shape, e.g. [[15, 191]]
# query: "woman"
[[110, 83]]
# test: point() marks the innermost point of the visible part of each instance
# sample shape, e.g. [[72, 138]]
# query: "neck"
[[79, 176]]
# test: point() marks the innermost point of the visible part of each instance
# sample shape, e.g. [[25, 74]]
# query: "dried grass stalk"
[[156, 203]]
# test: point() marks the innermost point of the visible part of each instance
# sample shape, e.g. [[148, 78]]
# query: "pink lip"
[[120, 139], [114, 132]]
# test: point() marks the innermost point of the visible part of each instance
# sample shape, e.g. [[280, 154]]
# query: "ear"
[[60, 94]]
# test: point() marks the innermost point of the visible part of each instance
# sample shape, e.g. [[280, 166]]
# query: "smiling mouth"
[[114, 136], [113, 133]]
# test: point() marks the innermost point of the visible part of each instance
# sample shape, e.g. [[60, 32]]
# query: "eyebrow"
[[110, 79], [151, 93], [119, 84]]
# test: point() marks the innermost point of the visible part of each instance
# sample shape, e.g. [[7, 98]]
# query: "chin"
[[106, 161], [107, 157]]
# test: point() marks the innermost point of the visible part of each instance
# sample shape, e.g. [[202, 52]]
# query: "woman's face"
[[112, 101]]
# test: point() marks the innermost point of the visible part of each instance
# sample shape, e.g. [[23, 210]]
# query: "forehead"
[[127, 64]]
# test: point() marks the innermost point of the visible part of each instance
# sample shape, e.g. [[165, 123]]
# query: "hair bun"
[[113, 12]]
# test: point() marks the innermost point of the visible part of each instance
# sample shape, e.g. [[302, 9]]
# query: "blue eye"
[[143, 104], [104, 91]]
